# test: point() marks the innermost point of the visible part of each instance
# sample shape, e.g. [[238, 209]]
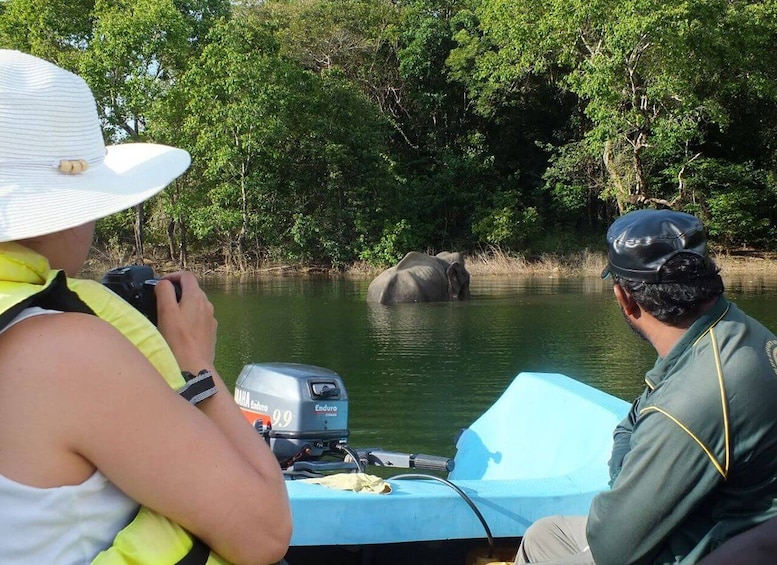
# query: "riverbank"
[[741, 262], [480, 264]]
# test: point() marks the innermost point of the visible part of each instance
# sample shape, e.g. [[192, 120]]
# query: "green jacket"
[[695, 461]]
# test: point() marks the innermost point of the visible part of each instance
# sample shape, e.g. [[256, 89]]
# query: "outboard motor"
[[301, 410]]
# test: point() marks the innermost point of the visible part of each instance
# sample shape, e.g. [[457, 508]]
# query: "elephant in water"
[[419, 277]]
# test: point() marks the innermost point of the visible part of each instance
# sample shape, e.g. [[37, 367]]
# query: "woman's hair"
[[695, 280]]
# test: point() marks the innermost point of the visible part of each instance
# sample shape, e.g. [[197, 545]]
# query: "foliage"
[[651, 75], [329, 131], [115, 231], [509, 224], [128, 52], [395, 242], [738, 209], [55, 30], [289, 158]]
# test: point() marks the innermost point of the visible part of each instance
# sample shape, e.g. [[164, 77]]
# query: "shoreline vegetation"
[[327, 132], [489, 263]]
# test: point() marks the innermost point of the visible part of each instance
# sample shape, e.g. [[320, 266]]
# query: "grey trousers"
[[556, 540]]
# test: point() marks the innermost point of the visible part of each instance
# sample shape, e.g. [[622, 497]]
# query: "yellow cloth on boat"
[[357, 482]]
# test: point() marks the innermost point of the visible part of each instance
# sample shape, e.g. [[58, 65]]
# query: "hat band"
[[65, 165], [655, 276]]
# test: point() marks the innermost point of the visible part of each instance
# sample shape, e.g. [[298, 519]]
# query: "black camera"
[[136, 284]]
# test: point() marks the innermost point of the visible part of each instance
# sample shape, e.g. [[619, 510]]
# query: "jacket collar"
[[698, 329]]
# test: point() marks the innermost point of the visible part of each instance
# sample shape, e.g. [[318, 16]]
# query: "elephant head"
[[456, 273]]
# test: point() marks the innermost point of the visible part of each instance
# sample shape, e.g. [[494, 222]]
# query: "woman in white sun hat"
[[100, 456]]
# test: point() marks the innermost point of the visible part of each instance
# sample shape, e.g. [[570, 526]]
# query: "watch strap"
[[198, 387]]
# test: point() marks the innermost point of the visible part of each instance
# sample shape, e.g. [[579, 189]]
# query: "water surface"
[[417, 373]]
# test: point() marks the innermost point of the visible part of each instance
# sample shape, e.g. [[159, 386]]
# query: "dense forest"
[[330, 132]]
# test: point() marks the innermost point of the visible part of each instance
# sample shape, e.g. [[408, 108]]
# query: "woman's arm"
[[85, 397], [189, 328]]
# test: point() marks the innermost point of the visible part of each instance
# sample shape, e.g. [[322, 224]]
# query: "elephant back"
[[418, 277]]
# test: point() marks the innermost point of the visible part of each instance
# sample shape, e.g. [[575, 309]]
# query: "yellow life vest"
[[26, 280]]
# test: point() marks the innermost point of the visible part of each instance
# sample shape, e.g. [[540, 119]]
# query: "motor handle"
[[381, 458], [432, 462]]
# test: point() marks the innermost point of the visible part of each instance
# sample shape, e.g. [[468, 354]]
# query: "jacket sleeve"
[[664, 477], [621, 440]]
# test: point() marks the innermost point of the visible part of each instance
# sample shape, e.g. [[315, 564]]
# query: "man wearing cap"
[[695, 461]]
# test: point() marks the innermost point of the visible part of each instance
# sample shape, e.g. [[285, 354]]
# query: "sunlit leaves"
[[289, 158], [651, 76]]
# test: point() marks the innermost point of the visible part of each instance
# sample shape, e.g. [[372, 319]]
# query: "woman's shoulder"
[[47, 362], [38, 344]]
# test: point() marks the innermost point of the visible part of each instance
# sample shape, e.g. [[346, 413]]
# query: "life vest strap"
[[55, 296], [197, 555]]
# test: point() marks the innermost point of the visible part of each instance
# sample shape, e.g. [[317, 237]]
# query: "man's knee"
[[542, 529], [552, 537]]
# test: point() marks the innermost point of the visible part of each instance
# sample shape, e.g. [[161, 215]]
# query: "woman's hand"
[[188, 325]]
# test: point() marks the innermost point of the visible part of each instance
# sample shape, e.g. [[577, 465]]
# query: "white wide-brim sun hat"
[[49, 125]]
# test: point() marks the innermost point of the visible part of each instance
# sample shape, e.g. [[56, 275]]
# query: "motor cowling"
[[302, 410]]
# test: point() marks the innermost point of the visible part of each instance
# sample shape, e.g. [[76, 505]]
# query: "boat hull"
[[540, 449]]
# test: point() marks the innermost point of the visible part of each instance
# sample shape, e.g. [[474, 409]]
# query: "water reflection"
[[502, 285]]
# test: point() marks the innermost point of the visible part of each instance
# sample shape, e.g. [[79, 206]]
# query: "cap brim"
[[39, 201]]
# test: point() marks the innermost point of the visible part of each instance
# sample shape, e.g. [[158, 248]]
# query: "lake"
[[417, 373]]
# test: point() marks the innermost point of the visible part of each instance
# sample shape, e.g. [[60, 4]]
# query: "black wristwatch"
[[198, 387]]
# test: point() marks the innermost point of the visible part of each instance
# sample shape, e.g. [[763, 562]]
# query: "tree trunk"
[[621, 191], [171, 239], [140, 221], [183, 255], [640, 180], [241, 239]]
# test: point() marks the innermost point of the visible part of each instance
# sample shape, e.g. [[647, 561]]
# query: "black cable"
[[354, 456], [461, 493]]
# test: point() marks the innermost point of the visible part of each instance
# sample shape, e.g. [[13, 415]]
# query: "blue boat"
[[541, 449]]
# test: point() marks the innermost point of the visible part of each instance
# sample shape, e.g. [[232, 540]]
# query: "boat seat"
[[756, 546], [544, 425], [541, 449]]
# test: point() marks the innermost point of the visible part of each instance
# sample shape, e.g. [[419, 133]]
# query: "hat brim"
[[39, 201]]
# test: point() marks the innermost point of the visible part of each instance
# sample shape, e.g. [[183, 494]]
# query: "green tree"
[[128, 52], [739, 206], [55, 30], [354, 37], [291, 162], [651, 75], [140, 48]]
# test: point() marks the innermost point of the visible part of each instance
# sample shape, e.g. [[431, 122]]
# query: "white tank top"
[[61, 525]]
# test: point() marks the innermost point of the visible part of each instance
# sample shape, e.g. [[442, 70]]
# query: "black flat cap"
[[640, 242]]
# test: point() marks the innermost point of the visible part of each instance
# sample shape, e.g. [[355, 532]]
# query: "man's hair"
[[677, 303]]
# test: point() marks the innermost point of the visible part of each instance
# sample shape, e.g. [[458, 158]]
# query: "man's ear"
[[629, 305]]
